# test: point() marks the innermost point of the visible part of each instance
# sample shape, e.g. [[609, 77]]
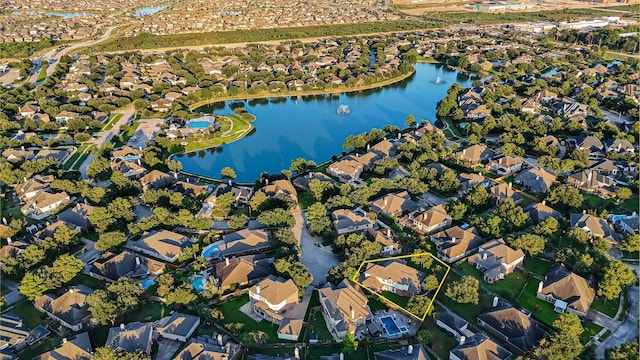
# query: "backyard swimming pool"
[[390, 326], [211, 251], [145, 285], [198, 283], [201, 122]]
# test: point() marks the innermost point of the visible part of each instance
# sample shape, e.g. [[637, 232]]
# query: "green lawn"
[[441, 341], [85, 279], [112, 121], [589, 332], [74, 157], [607, 307], [148, 311], [631, 204], [30, 316], [375, 304], [395, 298], [537, 265], [305, 199], [232, 314], [605, 336], [318, 325], [541, 310], [42, 75], [592, 201], [509, 287]]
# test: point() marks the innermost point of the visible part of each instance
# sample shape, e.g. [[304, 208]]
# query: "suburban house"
[[281, 188], [155, 179], [452, 323], [213, 347], [619, 146], [290, 329], [627, 224], [127, 153], [595, 226], [385, 238], [77, 347], [538, 212], [15, 336], [345, 170], [593, 181], [536, 180], [456, 243], [502, 191], [566, 291], [469, 180], [78, 215], [241, 194], [430, 221], [271, 296], [131, 337], [344, 308], [110, 267], [13, 249], [130, 170], [162, 244], [242, 270], [68, 308], [496, 260], [177, 326], [409, 352], [478, 347], [43, 204], [506, 165], [519, 331], [475, 154], [193, 190], [591, 144], [32, 187], [393, 204], [392, 276], [347, 221], [239, 242]]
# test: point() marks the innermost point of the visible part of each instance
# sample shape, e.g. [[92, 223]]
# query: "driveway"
[[84, 166], [317, 258], [627, 331]]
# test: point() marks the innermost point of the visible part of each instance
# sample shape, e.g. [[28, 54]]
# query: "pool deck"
[[401, 321]]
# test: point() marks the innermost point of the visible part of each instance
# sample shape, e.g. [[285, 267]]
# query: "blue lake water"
[[309, 127], [150, 10]]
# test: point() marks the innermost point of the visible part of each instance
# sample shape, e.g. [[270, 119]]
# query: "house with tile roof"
[[242, 270], [566, 291], [344, 308], [177, 326], [131, 337], [215, 347], [77, 347], [393, 204], [69, 308], [271, 297], [394, 276], [162, 244], [521, 333], [456, 243], [479, 347], [347, 221], [496, 260]]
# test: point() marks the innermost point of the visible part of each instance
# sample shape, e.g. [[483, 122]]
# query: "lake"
[[66, 15], [150, 10], [309, 127]]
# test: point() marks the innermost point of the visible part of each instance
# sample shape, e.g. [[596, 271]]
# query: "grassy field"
[[85, 280], [305, 199], [537, 265], [592, 201], [239, 128], [74, 157], [148, 41], [42, 75], [232, 314], [441, 342], [589, 332], [607, 307], [631, 204], [318, 325], [541, 310], [509, 287]]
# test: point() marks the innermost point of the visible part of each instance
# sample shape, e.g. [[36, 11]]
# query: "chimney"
[[229, 182], [409, 349], [484, 255], [368, 147], [589, 174], [385, 201], [540, 284], [70, 290], [4, 220], [226, 261], [175, 175], [140, 148], [9, 241], [537, 177], [137, 260], [453, 240], [544, 202], [495, 301], [510, 185], [121, 326], [64, 340], [139, 164], [266, 181], [389, 232], [462, 339], [399, 136], [584, 212], [341, 356], [258, 289], [296, 353], [220, 339], [464, 151], [353, 313]]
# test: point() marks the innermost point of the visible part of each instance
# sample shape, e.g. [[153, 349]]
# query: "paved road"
[[627, 331], [105, 136], [84, 166], [317, 258], [9, 77], [53, 56]]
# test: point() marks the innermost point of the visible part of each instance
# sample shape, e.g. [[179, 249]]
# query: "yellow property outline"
[[357, 275]]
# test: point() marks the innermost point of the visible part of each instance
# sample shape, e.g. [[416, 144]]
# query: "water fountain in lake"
[[438, 80], [343, 110]]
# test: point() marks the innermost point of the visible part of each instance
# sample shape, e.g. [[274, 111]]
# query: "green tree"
[[237, 221], [257, 199], [566, 195], [418, 305], [457, 210], [110, 240], [464, 290], [431, 282], [546, 227], [173, 165], [277, 218], [254, 338], [67, 266], [422, 258], [531, 243], [108, 353], [65, 236], [631, 243], [626, 351], [317, 218], [410, 121], [228, 173], [623, 193], [565, 343], [119, 298], [183, 294], [477, 196], [32, 286], [508, 211], [349, 343], [99, 168], [617, 275], [578, 235]]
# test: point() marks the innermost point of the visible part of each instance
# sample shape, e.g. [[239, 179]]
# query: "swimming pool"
[[145, 285], [201, 122], [198, 283], [211, 251], [390, 325]]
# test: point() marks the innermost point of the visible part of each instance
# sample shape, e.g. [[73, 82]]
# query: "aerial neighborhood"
[[505, 227]]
